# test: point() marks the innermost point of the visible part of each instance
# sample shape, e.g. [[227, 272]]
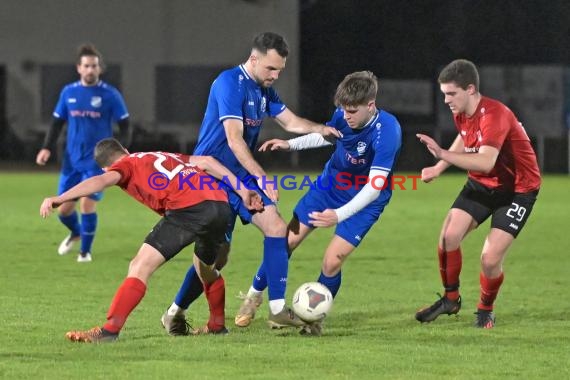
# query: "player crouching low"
[[193, 213]]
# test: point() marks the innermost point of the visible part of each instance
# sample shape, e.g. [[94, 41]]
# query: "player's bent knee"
[[451, 238], [274, 229], [332, 266], [66, 208], [222, 256], [207, 257], [490, 261], [141, 270], [292, 245], [270, 223]]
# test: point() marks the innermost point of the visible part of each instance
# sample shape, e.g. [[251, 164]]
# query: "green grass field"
[[371, 333]]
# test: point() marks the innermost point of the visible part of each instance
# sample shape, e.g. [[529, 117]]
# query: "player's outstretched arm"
[[432, 172], [87, 187], [274, 144], [309, 141], [483, 161], [217, 170], [298, 125]]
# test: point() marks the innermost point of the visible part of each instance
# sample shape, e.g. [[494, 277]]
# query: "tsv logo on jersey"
[[96, 101], [263, 105], [361, 148]]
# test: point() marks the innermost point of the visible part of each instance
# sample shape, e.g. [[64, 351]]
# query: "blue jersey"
[[235, 95], [89, 112], [375, 146]]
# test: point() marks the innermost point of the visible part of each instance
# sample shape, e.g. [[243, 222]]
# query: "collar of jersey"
[[98, 84], [244, 71], [372, 120]]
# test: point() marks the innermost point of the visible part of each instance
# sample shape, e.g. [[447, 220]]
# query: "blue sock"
[[190, 290], [276, 265], [260, 278], [71, 221], [88, 227], [333, 283]]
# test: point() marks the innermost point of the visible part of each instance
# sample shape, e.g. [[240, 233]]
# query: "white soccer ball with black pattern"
[[312, 301]]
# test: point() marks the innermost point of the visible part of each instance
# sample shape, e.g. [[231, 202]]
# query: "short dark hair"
[[107, 151], [462, 72], [356, 89], [268, 40], [88, 50]]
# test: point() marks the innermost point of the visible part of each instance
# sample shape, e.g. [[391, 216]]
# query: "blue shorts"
[[352, 229], [71, 177], [238, 208]]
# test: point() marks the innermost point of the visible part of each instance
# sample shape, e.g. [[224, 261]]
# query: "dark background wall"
[[415, 39]]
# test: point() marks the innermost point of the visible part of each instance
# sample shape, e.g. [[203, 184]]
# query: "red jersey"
[[495, 125], [166, 181]]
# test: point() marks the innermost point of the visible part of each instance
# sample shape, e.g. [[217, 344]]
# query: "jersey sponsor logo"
[[514, 226], [354, 160], [252, 122], [79, 113], [72, 100], [474, 149], [361, 148], [96, 101]]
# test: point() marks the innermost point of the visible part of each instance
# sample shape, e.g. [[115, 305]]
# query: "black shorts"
[[204, 223], [510, 211]]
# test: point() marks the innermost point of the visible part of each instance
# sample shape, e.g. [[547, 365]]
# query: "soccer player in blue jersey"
[[89, 107], [240, 98], [355, 185]]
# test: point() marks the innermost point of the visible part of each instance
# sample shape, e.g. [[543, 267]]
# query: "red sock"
[[449, 268], [216, 296], [489, 290], [128, 296]]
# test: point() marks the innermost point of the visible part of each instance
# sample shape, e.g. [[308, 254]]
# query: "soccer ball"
[[312, 301]]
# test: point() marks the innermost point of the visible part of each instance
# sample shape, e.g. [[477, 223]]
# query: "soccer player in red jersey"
[[503, 182], [194, 208]]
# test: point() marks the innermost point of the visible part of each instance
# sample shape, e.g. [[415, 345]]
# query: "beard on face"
[[90, 78]]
